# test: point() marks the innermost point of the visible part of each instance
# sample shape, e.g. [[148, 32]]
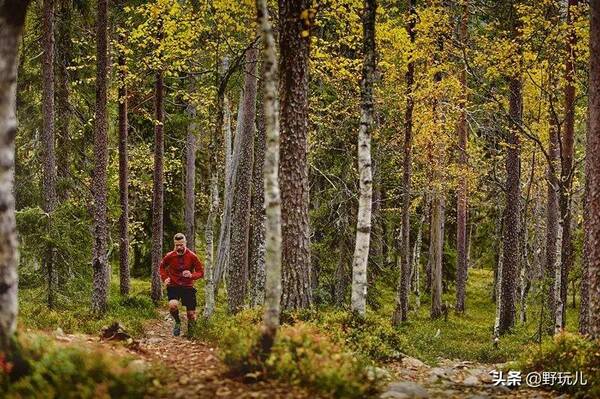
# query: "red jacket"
[[173, 265]]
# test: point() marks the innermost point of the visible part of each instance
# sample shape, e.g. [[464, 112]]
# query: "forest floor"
[[192, 369]]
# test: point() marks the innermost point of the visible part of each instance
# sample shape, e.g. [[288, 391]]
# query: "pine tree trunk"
[[101, 277], [257, 216], [401, 311], [512, 252], [293, 168], [271, 182], [157, 187], [592, 173], [567, 153], [363, 225], [12, 18], [123, 179], [48, 154], [437, 248], [461, 211], [190, 178], [63, 112], [242, 185]]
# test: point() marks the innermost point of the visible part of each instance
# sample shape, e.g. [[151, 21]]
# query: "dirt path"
[[195, 371]]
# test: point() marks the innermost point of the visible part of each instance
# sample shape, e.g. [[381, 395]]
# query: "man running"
[[178, 270]]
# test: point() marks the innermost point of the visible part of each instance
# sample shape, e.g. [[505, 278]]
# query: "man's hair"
[[179, 237]]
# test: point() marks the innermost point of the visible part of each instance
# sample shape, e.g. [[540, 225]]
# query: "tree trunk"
[[592, 172], [157, 188], [294, 43], [257, 216], [101, 277], [123, 179], [190, 178], [551, 224], [461, 203], [567, 153], [437, 250], [63, 112], [48, 154], [401, 310], [363, 225], [416, 258], [242, 185], [12, 18], [272, 199], [512, 252]]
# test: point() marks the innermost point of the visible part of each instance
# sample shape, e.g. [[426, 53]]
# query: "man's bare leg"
[[191, 317], [174, 311]]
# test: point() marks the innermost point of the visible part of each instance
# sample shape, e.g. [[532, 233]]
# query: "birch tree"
[[271, 182], [12, 18], [363, 227]]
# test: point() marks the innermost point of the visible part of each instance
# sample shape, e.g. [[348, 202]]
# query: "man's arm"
[[162, 269], [198, 268]]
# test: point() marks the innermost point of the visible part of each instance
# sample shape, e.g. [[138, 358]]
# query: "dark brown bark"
[[512, 250], [592, 176], [567, 152], [401, 311], [158, 189], [294, 43], [48, 154], [257, 216], [462, 192], [63, 112], [123, 180], [101, 275], [241, 187], [12, 18]]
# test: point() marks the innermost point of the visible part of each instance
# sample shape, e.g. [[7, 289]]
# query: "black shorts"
[[187, 296]]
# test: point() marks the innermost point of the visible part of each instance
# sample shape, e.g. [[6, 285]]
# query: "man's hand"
[[167, 281], [186, 273]]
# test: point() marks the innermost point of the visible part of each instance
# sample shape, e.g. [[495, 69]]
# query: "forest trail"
[[193, 369], [453, 379]]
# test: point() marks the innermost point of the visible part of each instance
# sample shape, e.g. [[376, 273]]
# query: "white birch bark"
[[363, 227], [272, 194]]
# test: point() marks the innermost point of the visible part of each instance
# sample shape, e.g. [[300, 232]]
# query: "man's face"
[[180, 246]]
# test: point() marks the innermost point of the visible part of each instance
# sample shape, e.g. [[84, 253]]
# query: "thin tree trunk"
[[461, 211], [437, 245], [123, 179], [363, 225], [551, 225], [158, 189], [190, 178], [592, 173], [48, 154], [401, 310], [101, 275], [12, 18], [294, 46], [416, 258], [512, 252], [63, 113], [567, 152], [257, 216], [525, 272], [242, 185], [272, 199]]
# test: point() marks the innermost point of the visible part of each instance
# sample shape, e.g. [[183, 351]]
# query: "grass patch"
[[565, 353], [74, 315], [469, 336], [39, 368]]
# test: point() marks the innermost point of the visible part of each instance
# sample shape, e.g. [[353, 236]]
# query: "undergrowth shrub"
[[304, 353], [48, 371], [565, 352]]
